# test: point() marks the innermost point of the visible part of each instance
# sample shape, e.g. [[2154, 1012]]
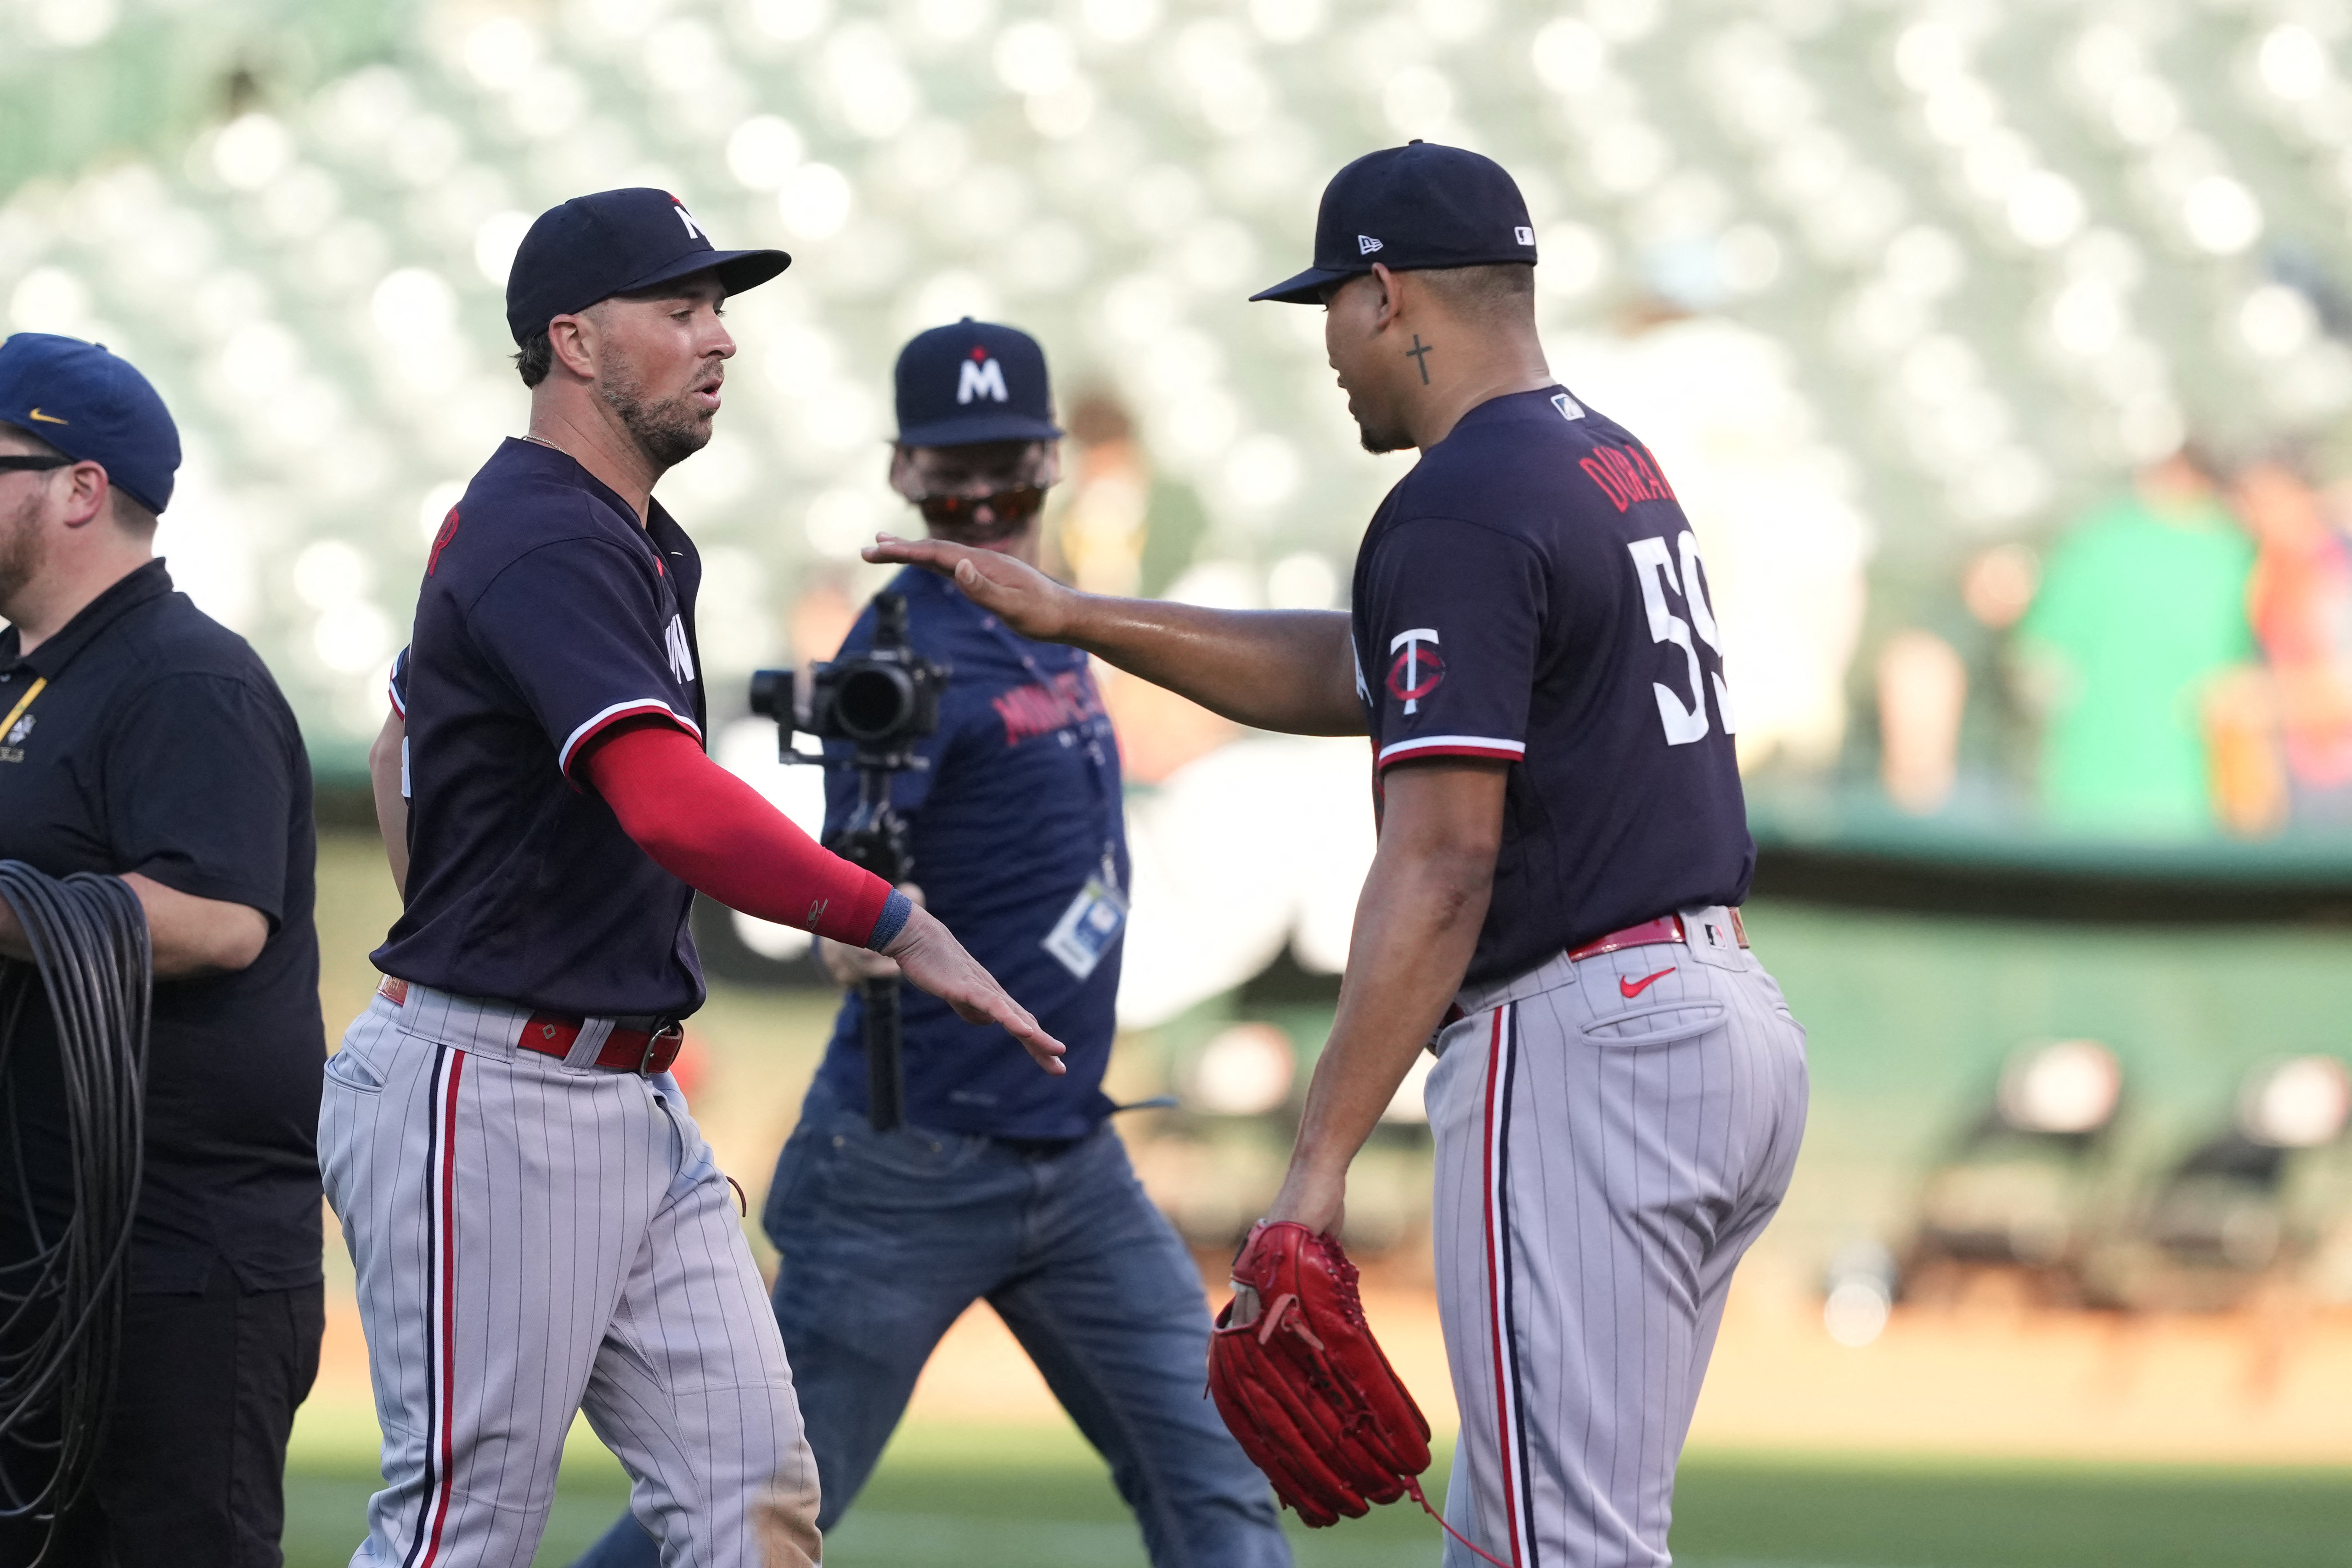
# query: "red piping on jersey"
[[718, 836], [577, 745], [1452, 746]]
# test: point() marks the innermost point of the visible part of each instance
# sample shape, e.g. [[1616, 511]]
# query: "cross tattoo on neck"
[[1415, 355]]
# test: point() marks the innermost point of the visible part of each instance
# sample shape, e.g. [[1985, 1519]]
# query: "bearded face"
[[668, 429], [1380, 437], [22, 548]]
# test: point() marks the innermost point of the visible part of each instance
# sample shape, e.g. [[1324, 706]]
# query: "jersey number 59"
[[1656, 568]]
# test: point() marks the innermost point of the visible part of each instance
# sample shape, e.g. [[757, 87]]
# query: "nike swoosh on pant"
[[1635, 987]]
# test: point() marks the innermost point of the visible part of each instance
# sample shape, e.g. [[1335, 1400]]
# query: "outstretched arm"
[[713, 832], [1291, 671]]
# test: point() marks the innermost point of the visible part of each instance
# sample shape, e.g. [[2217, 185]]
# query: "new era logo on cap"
[[1430, 206]]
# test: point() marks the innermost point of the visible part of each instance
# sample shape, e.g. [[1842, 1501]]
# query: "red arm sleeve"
[[717, 835]]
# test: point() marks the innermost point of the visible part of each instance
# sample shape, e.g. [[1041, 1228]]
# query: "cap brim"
[[1306, 289], [979, 429], [737, 269]]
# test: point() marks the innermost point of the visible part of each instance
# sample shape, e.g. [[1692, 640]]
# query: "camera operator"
[[997, 1187]]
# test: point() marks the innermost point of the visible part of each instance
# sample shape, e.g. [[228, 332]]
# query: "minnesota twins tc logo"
[[1417, 669]]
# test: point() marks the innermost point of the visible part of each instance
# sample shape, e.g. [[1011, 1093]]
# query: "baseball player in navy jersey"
[[1619, 1088], [537, 1226]]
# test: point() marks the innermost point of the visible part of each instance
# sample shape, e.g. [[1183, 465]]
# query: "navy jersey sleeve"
[[1447, 638], [579, 630], [396, 686], [199, 785]]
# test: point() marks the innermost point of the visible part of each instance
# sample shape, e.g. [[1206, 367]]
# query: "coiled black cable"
[[61, 1306]]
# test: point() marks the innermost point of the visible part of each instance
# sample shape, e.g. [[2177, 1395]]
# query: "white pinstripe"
[[534, 1239], [1603, 1161]]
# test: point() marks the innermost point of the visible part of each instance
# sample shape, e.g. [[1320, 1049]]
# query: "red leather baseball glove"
[[1304, 1386]]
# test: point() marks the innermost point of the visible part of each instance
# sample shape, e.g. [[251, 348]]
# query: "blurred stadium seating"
[[1986, 258]]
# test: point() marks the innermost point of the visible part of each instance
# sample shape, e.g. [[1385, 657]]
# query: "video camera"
[[882, 702]]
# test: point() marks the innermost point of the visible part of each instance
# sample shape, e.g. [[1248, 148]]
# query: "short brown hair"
[[1495, 289], [535, 358]]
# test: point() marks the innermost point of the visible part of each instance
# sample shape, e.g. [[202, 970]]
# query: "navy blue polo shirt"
[[1531, 593], [1017, 809], [547, 614], [145, 737]]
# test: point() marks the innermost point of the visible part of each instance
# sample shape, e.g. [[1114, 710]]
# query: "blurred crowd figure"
[[2132, 642], [1120, 528], [2180, 662], [2301, 606]]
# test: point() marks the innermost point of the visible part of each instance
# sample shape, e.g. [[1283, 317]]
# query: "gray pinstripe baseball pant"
[[535, 1237], [1611, 1135]]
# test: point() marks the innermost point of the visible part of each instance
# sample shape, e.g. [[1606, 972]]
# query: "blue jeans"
[[886, 1237]]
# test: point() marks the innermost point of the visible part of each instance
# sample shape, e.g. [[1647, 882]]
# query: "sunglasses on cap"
[[1010, 513], [32, 463]]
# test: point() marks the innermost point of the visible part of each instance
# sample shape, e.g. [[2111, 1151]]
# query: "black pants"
[[193, 1474]]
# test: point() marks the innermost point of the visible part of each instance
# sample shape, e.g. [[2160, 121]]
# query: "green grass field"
[[1038, 1498]]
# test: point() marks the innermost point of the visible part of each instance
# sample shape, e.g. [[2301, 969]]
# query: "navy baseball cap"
[[95, 408], [617, 242], [971, 383], [1410, 207]]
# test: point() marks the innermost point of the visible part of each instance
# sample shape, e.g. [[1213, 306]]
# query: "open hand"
[[1019, 596], [929, 955]]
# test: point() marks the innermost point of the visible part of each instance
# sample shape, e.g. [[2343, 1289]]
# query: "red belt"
[[646, 1051], [1665, 928]]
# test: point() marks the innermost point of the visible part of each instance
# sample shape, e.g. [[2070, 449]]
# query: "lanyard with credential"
[[1112, 808], [22, 703]]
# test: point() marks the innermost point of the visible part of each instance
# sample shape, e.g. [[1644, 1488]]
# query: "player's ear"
[[1388, 299], [87, 492], [902, 470], [574, 340]]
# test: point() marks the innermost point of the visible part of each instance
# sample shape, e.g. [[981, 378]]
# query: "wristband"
[[891, 920]]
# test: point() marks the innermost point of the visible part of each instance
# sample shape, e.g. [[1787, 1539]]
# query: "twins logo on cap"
[[971, 383], [981, 375]]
